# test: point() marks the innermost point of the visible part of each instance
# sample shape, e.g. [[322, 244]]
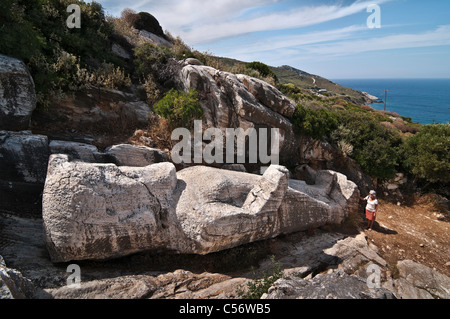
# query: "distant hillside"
[[287, 74], [310, 83]]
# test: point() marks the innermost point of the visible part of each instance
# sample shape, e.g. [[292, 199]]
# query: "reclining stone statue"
[[103, 211]]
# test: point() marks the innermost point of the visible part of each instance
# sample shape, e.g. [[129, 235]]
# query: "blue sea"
[[424, 100]]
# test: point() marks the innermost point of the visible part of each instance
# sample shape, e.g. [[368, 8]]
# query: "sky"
[[336, 39]]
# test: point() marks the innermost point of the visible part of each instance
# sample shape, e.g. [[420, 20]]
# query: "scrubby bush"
[[356, 134], [314, 123], [427, 154], [181, 108], [375, 147], [150, 58], [263, 70]]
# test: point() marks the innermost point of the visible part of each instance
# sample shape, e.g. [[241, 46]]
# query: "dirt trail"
[[414, 233]]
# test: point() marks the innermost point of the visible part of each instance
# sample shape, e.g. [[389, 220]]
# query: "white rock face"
[[17, 96], [101, 211], [240, 101], [153, 38]]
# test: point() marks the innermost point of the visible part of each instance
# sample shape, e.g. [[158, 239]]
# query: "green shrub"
[[427, 154], [263, 70], [150, 58], [180, 108], [375, 147], [314, 123]]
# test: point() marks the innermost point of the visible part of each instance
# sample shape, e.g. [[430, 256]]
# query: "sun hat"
[[373, 193]]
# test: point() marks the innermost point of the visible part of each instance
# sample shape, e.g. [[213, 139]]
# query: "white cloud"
[[199, 22], [304, 39], [438, 37]]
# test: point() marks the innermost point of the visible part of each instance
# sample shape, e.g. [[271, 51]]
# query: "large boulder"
[[239, 101], [146, 21], [17, 96], [268, 95], [101, 211]]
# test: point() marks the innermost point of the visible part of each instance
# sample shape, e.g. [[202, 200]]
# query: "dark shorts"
[[370, 215]]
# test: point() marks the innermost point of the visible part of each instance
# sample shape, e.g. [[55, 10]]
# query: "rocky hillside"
[[314, 83], [87, 176]]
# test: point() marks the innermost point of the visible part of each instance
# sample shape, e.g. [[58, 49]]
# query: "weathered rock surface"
[[23, 157], [337, 285], [420, 282], [101, 211], [153, 38], [94, 111], [77, 151], [229, 208], [268, 95], [17, 96], [14, 286], [136, 156], [238, 101], [180, 284]]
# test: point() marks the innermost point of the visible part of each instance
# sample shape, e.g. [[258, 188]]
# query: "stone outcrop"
[[17, 96], [420, 282], [77, 151], [92, 112], [23, 157], [268, 95], [239, 101], [101, 211], [14, 286], [135, 156], [23, 169], [337, 285], [180, 284], [153, 38]]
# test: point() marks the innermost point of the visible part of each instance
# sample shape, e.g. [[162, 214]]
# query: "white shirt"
[[371, 204]]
